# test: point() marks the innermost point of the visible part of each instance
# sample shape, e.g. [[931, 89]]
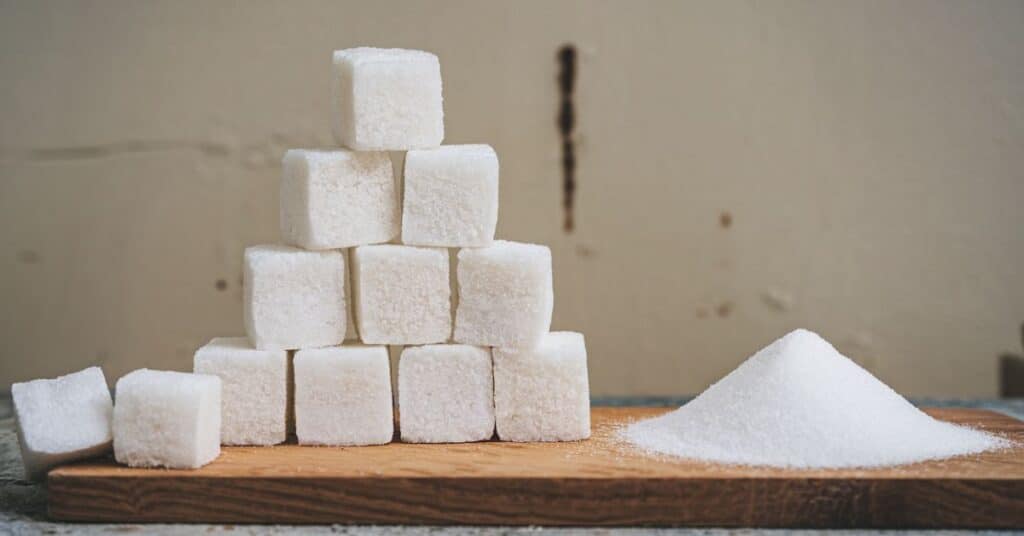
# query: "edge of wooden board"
[[705, 496]]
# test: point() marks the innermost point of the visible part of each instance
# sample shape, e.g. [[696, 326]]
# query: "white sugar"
[[800, 403], [63, 419], [167, 419], [386, 99], [254, 390]]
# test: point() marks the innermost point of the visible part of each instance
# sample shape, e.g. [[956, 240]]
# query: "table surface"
[[23, 504]]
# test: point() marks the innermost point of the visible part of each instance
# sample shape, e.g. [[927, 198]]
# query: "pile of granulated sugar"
[[799, 403]]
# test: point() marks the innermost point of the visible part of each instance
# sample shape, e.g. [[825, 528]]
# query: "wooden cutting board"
[[599, 482]]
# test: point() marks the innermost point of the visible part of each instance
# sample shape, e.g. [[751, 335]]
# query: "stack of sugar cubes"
[[342, 212], [362, 260]]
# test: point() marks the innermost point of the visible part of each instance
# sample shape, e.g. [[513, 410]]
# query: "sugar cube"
[[386, 99], [62, 419], [445, 394], [337, 199], [167, 419], [543, 394], [254, 390], [343, 396], [294, 298], [505, 295], [402, 294], [451, 196]]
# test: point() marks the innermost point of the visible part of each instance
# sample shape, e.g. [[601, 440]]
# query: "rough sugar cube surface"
[[386, 99], [451, 196], [543, 394], [294, 298], [167, 419], [402, 293], [445, 394], [62, 419], [254, 390], [337, 199], [505, 295], [343, 396]]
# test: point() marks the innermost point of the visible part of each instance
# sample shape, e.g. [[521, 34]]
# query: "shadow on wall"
[[1011, 372]]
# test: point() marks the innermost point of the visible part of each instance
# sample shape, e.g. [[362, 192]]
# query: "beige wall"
[[870, 155]]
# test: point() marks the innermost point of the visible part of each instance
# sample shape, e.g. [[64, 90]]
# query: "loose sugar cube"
[[294, 298], [402, 294], [61, 420], [386, 99], [451, 196], [543, 394], [254, 390], [167, 419], [337, 199], [343, 396], [445, 394], [505, 295]]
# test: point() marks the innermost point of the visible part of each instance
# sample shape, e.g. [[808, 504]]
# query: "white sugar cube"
[[294, 298], [505, 295], [254, 390], [445, 394], [386, 99], [542, 394], [451, 196], [337, 199], [343, 396], [167, 419], [62, 420], [402, 294]]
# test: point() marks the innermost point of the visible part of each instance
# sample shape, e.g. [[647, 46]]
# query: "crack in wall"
[[566, 125], [108, 150]]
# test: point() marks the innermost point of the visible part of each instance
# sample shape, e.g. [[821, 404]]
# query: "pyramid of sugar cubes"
[[364, 264]]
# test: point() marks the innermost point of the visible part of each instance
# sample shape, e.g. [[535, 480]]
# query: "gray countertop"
[[23, 504]]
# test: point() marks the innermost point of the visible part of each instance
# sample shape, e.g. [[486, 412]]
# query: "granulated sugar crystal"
[[799, 403]]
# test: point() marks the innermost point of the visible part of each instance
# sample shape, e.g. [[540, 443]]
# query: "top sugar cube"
[[386, 99]]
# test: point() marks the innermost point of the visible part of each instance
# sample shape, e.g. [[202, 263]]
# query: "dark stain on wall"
[[725, 219], [724, 310], [585, 251], [28, 256], [566, 125], [221, 285]]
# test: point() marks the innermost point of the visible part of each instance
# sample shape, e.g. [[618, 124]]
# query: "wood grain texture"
[[599, 482]]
